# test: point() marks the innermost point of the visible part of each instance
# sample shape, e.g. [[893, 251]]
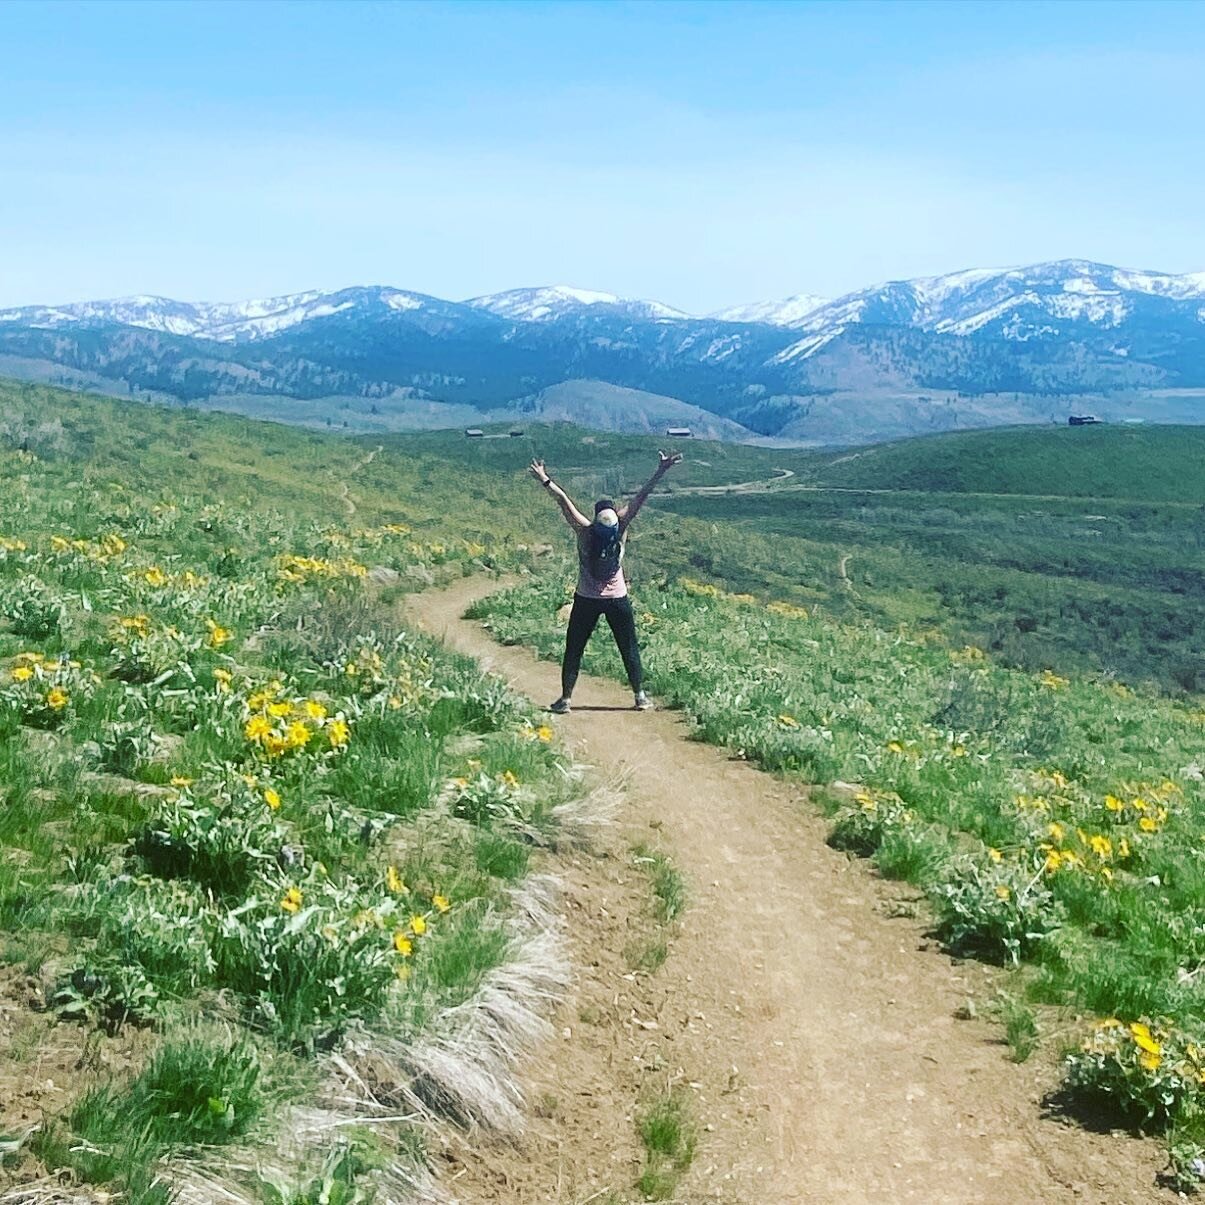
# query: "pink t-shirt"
[[588, 586]]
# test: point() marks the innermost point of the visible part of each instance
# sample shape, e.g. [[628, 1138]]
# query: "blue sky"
[[701, 154]]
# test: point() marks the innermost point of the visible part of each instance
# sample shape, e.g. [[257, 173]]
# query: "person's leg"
[[622, 621], [582, 621]]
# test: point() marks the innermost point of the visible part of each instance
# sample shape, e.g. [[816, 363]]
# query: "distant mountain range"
[[975, 348]]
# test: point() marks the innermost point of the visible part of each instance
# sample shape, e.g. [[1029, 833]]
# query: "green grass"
[[1074, 552], [669, 888], [177, 593], [197, 1090], [669, 1136], [1053, 822], [1151, 464]]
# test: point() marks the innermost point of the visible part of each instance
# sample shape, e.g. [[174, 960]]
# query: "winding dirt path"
[[739, 487], [349, 503], [800, 1003]]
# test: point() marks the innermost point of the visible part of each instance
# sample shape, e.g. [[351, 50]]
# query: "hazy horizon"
[[702, 155]]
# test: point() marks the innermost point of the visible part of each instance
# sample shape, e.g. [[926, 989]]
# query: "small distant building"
[[1082, 420], [678, 432], [516, 432], [474, 433]]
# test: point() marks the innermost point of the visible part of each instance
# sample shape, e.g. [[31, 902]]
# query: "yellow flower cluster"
[[102, 549], [968, 655], [9, 544], [787, 609], [1052, 681], [304, 568], [46, 685], [1151, 1046], [403, 938], [278, 725], [1069, 842]]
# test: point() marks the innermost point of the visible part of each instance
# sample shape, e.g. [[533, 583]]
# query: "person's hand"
[[666, 463], [539, 472]]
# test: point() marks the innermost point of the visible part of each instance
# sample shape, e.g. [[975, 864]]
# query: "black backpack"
[[606, 550]]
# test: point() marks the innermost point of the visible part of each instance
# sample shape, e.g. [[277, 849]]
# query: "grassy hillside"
[[1110, 582], [245, 814], [1056, 825], [231, 786], [1153, 464]]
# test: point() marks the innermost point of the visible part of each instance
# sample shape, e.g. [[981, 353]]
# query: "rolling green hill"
[[1072, 548], [1156, 464]]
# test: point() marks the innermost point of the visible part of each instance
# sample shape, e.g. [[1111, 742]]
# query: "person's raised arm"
[[627, 512], [573, 516]]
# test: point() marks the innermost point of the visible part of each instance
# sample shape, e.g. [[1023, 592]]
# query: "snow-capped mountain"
[[558, 301], [901, 356], [1043, 301], [788, 312], [226, 322]]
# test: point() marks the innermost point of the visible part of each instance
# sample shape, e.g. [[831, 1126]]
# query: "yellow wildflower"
[[1056, 830], [441, 903], [57, 698], [394, 881], [155, 576], [544, 733], [257, 728], [274, 745], [1141, 1034], [218, 635], [402, 944], [292, 899], [418, 925], [298, 735], [315, 710], [178, 780], [271, 798], [1150, 1061], [22, 673], [995, 855], [1148, 824], [1102, 847], [1003, 892], [788, 721], [1114, 804], [279, 709], [507, 778], [338, 734]]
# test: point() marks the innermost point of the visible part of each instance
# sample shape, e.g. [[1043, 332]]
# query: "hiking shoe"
[[560, 707], [643, 702]]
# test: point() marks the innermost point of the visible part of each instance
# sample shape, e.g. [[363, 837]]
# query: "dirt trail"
[[349, 503], [739, 487], [800, 1001]]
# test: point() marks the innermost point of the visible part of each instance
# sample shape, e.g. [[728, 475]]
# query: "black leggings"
[[582, 621]]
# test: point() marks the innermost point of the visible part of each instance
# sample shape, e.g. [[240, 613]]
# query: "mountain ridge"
[[964, 349]]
